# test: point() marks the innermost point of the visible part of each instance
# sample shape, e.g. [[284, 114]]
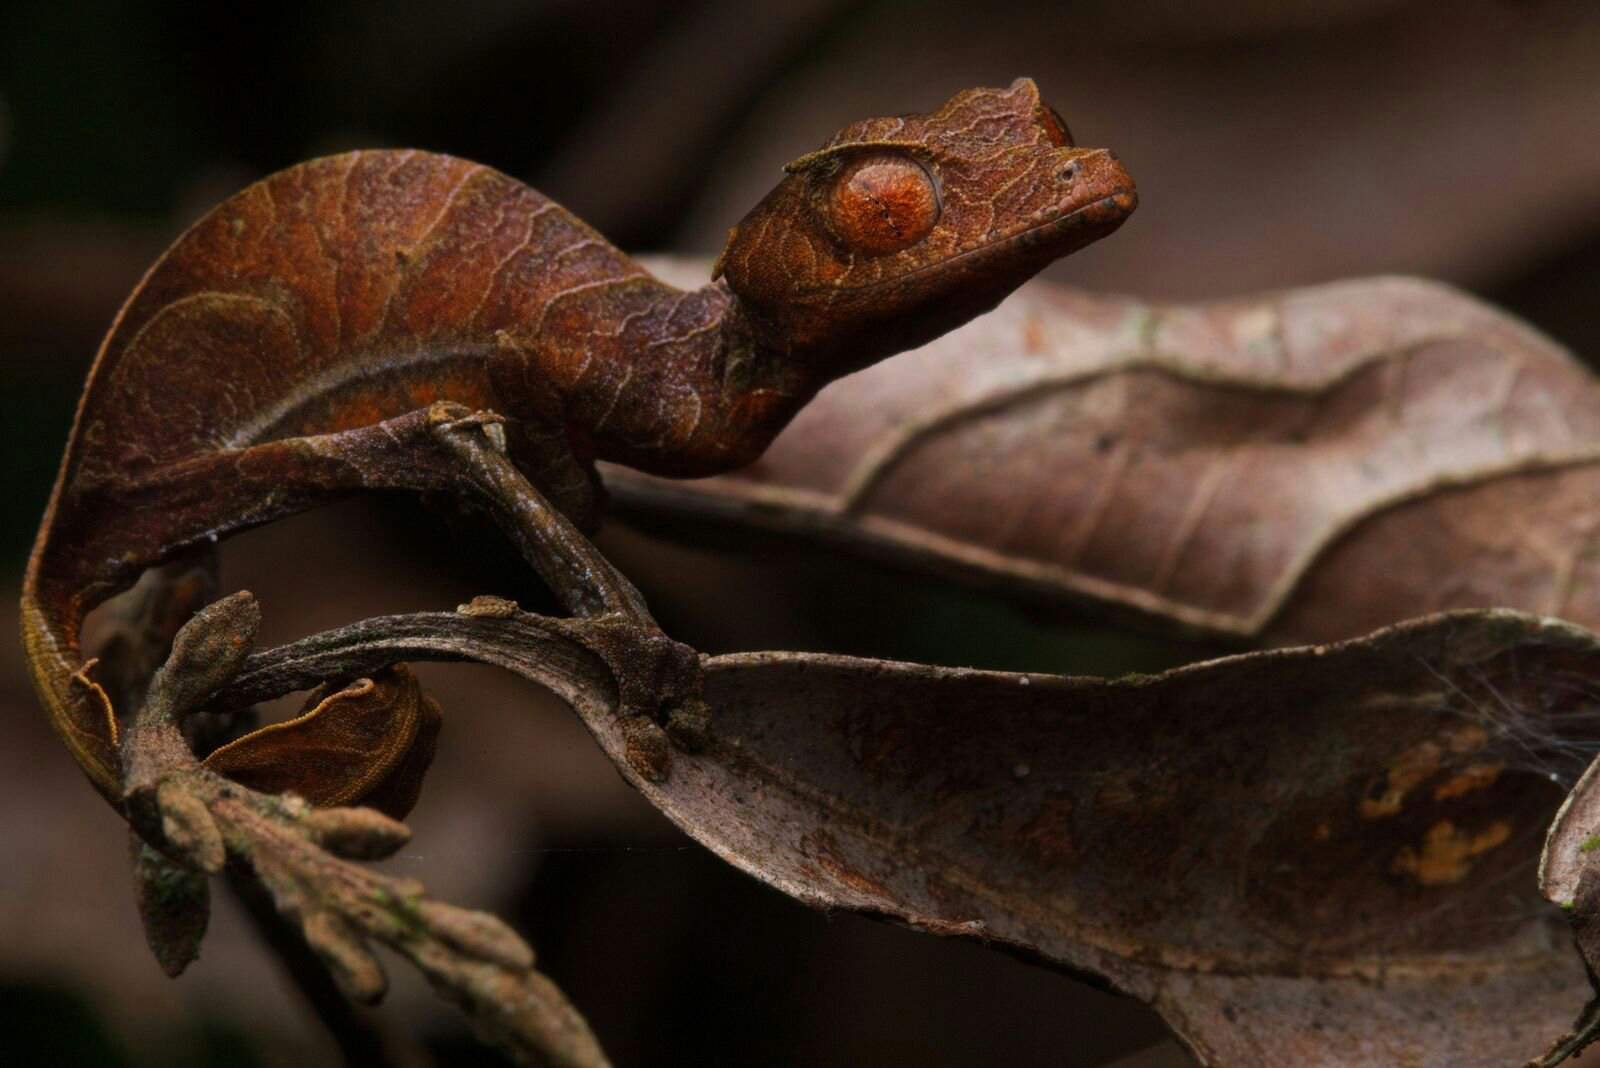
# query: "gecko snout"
[[1094, 175]]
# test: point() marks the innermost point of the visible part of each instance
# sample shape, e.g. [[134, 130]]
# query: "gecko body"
[[347, 291]]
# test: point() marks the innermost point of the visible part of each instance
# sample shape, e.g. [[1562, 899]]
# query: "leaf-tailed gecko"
[[287, 349]]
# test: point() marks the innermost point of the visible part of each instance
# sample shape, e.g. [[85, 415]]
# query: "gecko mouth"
[[1109, 211]]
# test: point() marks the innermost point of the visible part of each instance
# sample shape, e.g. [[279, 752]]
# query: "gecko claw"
[[448, 417]]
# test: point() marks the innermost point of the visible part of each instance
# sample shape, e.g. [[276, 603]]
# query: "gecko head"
[[900, 229]]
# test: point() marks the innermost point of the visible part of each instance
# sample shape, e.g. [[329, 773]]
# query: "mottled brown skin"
[[246, 377]]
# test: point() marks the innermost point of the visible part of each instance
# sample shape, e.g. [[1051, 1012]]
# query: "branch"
[[302, 855], [558, 654]]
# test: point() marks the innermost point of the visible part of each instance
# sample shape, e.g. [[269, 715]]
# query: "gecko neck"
[[679, 383]]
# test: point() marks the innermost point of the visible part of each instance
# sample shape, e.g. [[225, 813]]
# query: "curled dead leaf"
[[1297, 466], [1205, 839], [369, 743]]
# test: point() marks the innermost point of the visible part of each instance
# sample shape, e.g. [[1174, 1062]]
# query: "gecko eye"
[[882, 203], [1055, 127]]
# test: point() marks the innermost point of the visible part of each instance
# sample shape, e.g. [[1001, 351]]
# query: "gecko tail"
[[82, 695], [79, 707]]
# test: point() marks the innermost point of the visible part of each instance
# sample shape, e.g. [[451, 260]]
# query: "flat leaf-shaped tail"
[[78, 707]]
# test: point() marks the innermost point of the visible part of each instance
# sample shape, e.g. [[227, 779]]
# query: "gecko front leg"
[[658, 679], [583, 580]]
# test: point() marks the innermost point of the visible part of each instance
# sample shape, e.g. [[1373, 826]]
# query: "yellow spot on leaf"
[[1447, 852], [1421, 762], [1466, 739], [1409, 769], [1472, 777]]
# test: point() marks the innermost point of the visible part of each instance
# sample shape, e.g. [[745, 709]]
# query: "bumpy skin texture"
[[352, 290]]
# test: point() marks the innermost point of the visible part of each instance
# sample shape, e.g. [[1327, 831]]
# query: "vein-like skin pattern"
[[352, 290]]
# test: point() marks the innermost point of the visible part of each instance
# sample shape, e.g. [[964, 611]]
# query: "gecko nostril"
[[1067, 171]]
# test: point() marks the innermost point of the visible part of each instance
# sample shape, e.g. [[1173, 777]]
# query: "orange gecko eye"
[[1055, 127], [882, 203]]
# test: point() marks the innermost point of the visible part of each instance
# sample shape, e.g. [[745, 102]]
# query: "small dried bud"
[[478, 934], [358, 833], [207, 651], [174, 904], [351, 964], [189, 829], [487, 606]]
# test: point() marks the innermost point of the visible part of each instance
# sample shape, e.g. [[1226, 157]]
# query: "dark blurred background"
[[1274, 144]]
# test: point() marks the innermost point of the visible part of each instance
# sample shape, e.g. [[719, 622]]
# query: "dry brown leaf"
[[1311, 856], [1299, 466], [1323, 855], [369, 743]]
